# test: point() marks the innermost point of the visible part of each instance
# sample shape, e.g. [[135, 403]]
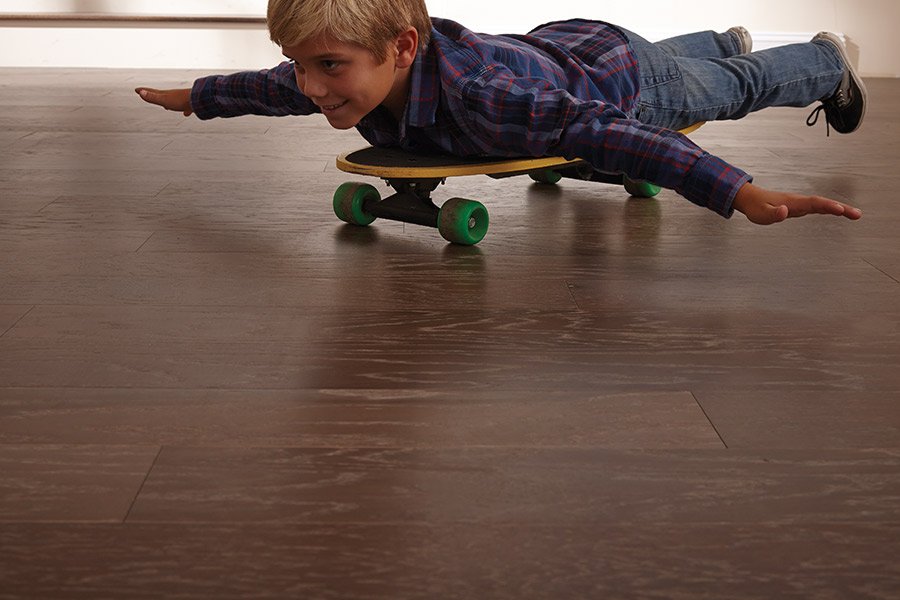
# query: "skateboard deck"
[[415, 176], [392, 163]]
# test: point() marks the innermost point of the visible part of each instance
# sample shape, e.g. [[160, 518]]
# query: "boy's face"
[[347, 81]]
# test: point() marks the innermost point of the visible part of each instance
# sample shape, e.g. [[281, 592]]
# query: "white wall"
[[869, 25]]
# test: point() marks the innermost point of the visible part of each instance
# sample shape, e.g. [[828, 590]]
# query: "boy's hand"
[[179, 100], [765, 207]]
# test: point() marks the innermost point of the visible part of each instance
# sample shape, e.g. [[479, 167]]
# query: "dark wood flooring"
[[210, 388]]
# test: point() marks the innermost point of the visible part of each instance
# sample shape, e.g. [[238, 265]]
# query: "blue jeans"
[[701, 77]]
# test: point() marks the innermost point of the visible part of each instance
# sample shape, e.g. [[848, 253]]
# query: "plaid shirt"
[[566, 89]]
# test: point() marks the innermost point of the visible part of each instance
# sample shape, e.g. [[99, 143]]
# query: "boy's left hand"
[[765, 207], [178, 100]]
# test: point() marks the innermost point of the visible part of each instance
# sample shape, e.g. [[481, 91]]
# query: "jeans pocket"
[[662, 97], [662, 86], [655, 66]]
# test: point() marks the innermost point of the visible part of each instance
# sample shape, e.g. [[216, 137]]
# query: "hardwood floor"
[[209, 387]]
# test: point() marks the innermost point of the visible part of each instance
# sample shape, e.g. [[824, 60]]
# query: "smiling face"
[[348, 82]]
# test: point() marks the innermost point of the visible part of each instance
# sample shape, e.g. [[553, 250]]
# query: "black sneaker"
[[846, 108]]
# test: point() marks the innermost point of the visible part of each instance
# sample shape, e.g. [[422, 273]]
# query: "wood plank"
[[459, 560], [798, 419], [565, 486], [145, 346], [354, 418], [57, 483], [10, 315]]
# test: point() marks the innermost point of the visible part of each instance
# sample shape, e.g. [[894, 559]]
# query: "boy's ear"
[[406, 46]]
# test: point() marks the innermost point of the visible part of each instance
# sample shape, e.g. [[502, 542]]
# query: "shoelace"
[[839, 99], [813, 118]]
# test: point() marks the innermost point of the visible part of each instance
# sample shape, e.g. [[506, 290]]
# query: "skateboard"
[[460, 221]]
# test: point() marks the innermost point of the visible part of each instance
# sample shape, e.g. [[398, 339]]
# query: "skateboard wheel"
[[349, 203], [641, 189], [545, 176], [462, 221]]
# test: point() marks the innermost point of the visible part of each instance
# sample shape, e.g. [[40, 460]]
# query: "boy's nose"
[[310, 86]]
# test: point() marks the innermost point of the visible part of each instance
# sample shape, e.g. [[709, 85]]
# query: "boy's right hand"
[[179, 100]]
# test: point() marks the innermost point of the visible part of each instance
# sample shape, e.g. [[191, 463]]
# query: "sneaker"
[[846, 108], [743, 38]]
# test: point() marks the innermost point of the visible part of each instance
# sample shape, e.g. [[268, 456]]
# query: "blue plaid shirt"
[[566, 89]]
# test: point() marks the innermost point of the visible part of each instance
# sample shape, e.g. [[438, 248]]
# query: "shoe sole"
[[837, 43]]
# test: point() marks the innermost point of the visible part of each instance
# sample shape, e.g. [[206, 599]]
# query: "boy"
[[578, 89]]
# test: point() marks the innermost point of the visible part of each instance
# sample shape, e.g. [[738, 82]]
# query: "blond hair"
[[368, 23]]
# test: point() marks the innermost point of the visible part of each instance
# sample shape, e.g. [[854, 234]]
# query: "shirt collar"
[[425, 87]]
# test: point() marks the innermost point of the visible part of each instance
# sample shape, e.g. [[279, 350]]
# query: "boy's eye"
[[330, 65]]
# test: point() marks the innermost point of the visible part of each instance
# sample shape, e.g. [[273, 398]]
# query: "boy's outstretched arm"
[[177, 100], [765, 207]]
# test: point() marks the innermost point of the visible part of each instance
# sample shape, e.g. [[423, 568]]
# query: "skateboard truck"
[[410, 204], [459, 221]]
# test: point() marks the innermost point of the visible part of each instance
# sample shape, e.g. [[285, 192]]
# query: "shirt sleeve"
[[270, 92], [524, 117]]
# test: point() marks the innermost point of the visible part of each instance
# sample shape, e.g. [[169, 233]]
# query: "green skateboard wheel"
[[463, 222], [545, 176], [641, 189], [349, 201]]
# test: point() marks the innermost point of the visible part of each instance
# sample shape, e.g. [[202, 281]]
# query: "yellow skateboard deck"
[[390, 163]]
